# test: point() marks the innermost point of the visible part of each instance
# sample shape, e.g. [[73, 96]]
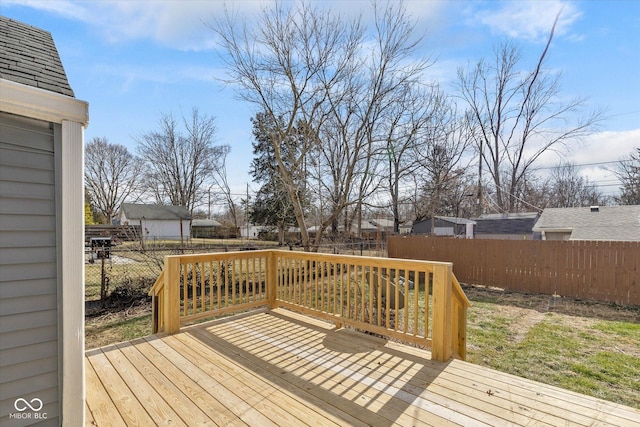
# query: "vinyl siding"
[[28, 268]]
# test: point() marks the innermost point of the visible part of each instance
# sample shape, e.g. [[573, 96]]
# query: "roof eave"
[[28, 101], [553, 229]]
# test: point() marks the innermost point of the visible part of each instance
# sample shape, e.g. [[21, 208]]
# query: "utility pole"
[[246, 212], [479, 189]]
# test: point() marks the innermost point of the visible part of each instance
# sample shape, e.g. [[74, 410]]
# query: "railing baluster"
[[203, 288], [234, 286], [388, 300], [348, 315], [416, 294], [406, 301], [254, 282], [360, 287], [324, 286], [184, 289], [218, 284]]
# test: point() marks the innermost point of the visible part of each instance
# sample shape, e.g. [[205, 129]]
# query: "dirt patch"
[[553, 304], [524, 321]]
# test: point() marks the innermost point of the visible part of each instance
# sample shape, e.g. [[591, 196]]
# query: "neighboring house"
[[41, 233], [205, 228], [617, 223], [445, 226], [157, 221], [509, 226], [405, 227]]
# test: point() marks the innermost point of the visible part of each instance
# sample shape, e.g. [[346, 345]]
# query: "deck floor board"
[[281, 368]]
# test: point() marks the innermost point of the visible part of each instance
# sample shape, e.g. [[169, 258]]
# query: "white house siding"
[[522, 236], [552, 235], [28, 268], [164, 229]]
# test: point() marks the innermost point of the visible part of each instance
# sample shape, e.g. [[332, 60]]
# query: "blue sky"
[[134, 60]]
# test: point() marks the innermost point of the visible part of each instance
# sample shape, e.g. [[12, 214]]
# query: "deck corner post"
[[442, 311], [171, 297], [462, 332], [272, 279]]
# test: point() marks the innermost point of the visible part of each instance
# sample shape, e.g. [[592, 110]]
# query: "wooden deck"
[[276, 368]]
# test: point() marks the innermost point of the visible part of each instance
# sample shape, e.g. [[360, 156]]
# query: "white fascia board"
[[553, 230], [72, 240], [28, 101]]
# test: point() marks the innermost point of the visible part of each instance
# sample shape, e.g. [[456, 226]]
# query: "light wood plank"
[[228, 372], [328, 372], [201, 397], [223, 389], [230, 362], [275, 375], [150, 399], [101, 407], [180, 402], [132, 412]]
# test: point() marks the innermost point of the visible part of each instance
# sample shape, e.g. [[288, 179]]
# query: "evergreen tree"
[[272, 205]]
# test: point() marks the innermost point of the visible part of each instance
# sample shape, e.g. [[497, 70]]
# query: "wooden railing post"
[[462, 332], [442, 328], [171, 297], [272, 278]]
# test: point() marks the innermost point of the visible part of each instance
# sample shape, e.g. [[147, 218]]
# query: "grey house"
[[616, 223], [41, 233], [508, 226], [445, 226]]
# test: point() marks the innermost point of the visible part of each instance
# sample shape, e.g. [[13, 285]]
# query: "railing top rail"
[[457, 289], [314, 256], [353, 258], [158, 285], [221, 255]]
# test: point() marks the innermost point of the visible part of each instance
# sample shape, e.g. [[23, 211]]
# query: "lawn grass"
[[117, 327], [578, 346]]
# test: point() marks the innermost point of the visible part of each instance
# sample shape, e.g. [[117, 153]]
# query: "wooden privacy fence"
[[596, 270], [414, 301]]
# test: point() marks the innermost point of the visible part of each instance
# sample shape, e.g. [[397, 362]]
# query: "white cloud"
[[182, 24], [607, 146], [172, 23], [596, 157], [66, 8], [530, 20]]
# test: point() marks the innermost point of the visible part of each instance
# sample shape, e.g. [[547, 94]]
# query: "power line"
[[579, 165]]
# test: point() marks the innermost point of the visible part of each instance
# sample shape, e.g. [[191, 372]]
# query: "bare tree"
[[277, 64], [568, 189], [111, 175], [307, 66], [628, 171], [220, 179], [518, 116], [440, 154], [179, 163], [408, 124]]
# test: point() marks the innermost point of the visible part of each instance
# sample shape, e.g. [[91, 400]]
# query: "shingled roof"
[[29, 56], [508, 223], [618, 223], [152, 212]]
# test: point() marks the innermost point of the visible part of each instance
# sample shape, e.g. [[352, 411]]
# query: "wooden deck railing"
[[415, 301]]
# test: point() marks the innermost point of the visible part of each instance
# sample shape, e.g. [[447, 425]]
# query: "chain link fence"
[[123, 274]]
